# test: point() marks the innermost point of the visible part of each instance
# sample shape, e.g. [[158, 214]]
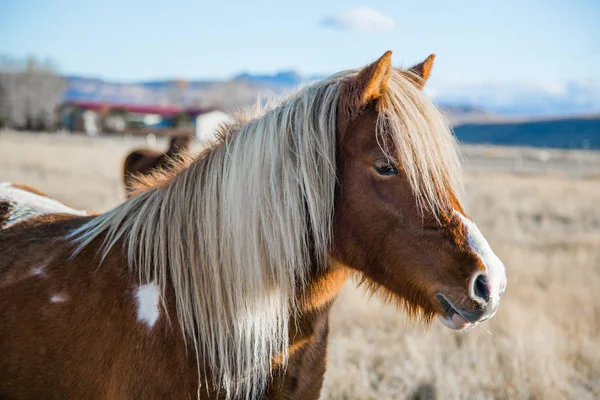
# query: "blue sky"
[[476, 41]]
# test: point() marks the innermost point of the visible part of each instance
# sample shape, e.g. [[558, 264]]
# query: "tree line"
[[30, 91]]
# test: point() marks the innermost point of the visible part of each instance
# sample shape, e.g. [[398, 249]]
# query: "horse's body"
[[145, 161], [217, 280], [20, 202], [99, 307]]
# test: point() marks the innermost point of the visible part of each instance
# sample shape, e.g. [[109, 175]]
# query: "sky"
[[476, 41]]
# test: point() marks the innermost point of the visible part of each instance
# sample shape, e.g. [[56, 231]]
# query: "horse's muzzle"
[[483, 305]]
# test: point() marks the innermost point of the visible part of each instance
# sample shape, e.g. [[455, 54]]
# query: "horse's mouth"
[[456, 318]]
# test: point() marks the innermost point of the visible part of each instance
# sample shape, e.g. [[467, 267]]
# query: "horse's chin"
[[457, 322]]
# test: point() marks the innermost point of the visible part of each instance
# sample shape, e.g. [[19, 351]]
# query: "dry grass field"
[[544, 223]]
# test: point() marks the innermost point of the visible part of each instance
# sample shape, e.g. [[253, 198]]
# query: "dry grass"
[[544, 343]]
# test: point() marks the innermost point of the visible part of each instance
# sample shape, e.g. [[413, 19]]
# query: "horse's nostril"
[[481, 288]]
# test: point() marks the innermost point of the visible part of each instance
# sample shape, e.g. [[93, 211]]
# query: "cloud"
[[359, 19]]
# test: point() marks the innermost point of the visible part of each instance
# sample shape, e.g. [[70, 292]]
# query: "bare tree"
[[29, 93]]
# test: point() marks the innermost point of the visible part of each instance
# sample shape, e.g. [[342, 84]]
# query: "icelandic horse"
[[145, 161], [217, 279], [20, 202]]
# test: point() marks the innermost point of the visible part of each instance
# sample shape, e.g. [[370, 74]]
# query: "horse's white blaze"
[[148, 297], [496, 272], [27, 205], [59, 298]]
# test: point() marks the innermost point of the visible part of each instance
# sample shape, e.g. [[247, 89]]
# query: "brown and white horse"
[[146, 161], [216, 281], [21, 202]]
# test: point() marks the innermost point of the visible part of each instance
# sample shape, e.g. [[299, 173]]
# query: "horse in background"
[[19, 203], [144, 161], [217, 279]]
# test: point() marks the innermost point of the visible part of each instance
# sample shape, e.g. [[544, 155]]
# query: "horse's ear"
[[371, 82], [420, 72]]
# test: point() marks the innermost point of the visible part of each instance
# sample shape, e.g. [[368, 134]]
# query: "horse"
[[216, 280], [145, 161], [20, 202]]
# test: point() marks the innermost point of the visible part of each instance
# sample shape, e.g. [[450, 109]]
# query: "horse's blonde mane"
[[236, 231]]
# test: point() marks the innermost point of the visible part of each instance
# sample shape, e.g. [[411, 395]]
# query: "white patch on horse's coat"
[[35, 272], [25, 204], [59, 298], [496, 272], [148, 297], [39, 271]]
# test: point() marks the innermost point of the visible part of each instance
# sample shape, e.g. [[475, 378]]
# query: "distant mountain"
[[463, 103], [242, 89], [225, 94], [531, 100], [286, 79], [458, 115], [92, 89]]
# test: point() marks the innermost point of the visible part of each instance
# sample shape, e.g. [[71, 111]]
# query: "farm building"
[[95, 117], [207, 123]]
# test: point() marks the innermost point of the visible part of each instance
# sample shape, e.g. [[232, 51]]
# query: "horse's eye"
[[385, 168]]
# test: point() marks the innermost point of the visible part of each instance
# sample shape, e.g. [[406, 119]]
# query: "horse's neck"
[[308, 335], [323, 287], [315, 301]]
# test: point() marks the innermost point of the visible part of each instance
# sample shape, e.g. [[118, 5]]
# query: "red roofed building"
[[94, 117]]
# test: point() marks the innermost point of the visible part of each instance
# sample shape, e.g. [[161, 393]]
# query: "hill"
[[468, 100], [504, 115]]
